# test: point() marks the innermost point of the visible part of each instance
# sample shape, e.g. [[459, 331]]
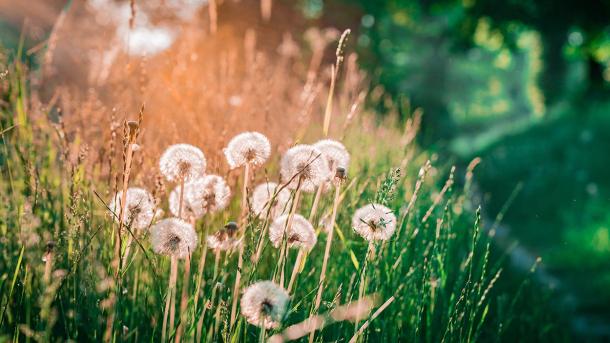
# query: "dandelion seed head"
[[225, 239], [139, 207], [299, 235], [263, 197], [173, 237], [247, 147], [308, 164], [182, 161], [374, 222], [265, 303], [335, 154], [208, 194], [188, 212]]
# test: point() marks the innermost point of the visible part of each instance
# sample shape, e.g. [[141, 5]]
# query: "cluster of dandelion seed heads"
[[247, 147], [182, 162], [139, 207], [335, 154], [299, 235], [173, 237], [265, 304], [264, 196], [374, 222], [225, 239], [304, 163]]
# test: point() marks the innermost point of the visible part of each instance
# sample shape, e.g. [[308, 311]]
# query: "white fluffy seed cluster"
[[264, 304], [335, 154], [374, 222], [300, 234], [139, 208], [203, 195], [268, 196], [182, 161], [306, 165], [173, 237], [247, 147]]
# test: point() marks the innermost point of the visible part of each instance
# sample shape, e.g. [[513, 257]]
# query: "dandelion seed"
[[173, 237], [247, 147], [207, 194], [299, 235], [335, 154], [139, 207], [265, 303], [225, 239], [263, 198], [304, 162], [374, 222], [182, 162]]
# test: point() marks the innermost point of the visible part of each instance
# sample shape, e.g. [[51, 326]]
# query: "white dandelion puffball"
[[299, 235], [173, 237], [139, 207], [225, 239], [208, 194], [335, 154], [247, 147], [374, 222], [264, 196], [306, 163], [189, 212], [182, 161], [265, 303]]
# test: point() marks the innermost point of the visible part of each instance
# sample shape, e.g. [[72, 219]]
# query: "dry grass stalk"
[[333, 79]]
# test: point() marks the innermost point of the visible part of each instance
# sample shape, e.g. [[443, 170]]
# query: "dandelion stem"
[[184, 297], [329, 239], [170, 299], [240, 258], [293, 210], [204, 251]]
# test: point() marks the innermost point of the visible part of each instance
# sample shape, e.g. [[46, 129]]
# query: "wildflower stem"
[[169, 302], [284, 250], [240, 258], [204, 251], [184, 297], [329, 239]]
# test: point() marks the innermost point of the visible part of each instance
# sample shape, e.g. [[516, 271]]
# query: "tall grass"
[[433, 281]]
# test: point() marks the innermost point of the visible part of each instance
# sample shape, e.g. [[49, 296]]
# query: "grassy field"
[[65, 273]]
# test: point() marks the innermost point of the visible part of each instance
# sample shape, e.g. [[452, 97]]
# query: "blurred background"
[[523, 85]]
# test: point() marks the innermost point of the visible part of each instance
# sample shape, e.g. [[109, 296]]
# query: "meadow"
[[132, 214]]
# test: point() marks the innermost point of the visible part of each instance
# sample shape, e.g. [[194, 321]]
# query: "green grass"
[[437, 272]]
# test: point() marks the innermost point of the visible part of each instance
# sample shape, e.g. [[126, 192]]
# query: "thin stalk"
[[169, 298], [284, 250], [240, 258], [329, 239], [184, 298], [200, 274], [329, 101]]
